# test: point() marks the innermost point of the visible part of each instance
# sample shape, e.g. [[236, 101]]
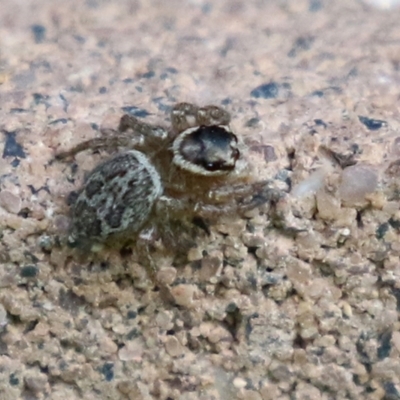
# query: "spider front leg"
[[187, 115], [183, 116], [242, 197], [149, 134], [213, 115], [236, 199], [132, 133], [112, 140]]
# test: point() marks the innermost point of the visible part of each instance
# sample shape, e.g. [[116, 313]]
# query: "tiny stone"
[[210, 267], [328, 205], [10, 202], [133, 350], [166, 275], [35, 381], [164, 320], [39, 33], [173, 347], [108, 346], [239, 383], [372, 124], [3, 317], [183, 294], [12, 148], [30, 271], [194, 254], [357, 181], [266, 91], [347, 310]]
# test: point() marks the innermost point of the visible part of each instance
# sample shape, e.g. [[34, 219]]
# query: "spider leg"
[[256, 193], [184, 116], [111, 141], [238, 205], [147, 132], [213, 115], [187, 115], [131, 133], [231, 200]]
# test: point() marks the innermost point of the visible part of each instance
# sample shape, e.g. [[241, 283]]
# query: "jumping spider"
[[195, 169]]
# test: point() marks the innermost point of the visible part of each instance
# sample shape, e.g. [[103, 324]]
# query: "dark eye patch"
[[212, 147]]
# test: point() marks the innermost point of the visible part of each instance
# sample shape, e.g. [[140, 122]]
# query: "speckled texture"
[[298, 301]]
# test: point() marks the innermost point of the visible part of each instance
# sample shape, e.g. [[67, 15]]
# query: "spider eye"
[[213, 166], [206, 150]]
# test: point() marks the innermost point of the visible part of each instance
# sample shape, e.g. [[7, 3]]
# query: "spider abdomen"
[[116, 199]]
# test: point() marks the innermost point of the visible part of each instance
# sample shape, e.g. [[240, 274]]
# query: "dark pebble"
[[391, 393], [252, 122], [39, 33], [301, 44], [372, 124], [59, 121], [131, 314], [394, 223], [17, 110], [15, 163], [320, 122], [107, 371], [381, 231], [13, 380], [148, 75], [385, 345], [315, 5], [39, 98], [30, 271], [12, 147], [135, 111], [272, 90], [318, 93], [266, 91]]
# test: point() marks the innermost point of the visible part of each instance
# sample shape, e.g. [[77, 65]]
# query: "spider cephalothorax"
[[158, 175]]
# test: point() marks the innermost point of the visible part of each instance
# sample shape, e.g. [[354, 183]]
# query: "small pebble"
[[173, 347], [39, 33], [35, 381], [266, 91], [372, 124], [210, 267], [184, 294], [166, 275], [11, 147], [10, 202], [133, 350], [3, 317], [356, 182], [239, 383], [29, 271]]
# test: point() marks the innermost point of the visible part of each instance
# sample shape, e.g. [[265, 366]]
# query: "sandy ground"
[[299, 300]]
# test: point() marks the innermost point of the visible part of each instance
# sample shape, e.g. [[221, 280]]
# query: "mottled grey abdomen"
[[116, 199]]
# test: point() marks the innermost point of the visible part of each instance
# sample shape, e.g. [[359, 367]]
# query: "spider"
[[193, 171]]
